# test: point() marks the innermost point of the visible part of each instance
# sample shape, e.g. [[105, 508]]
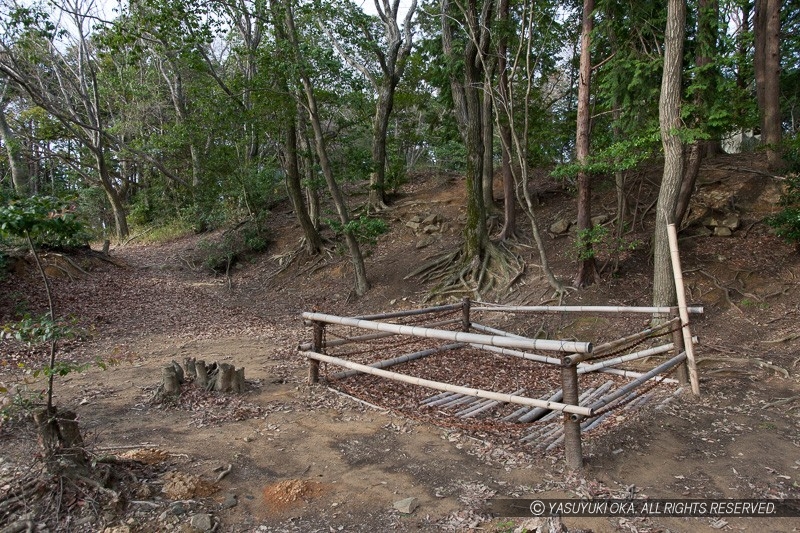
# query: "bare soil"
[[286, 456]]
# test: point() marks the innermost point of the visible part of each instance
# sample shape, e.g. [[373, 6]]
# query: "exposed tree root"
[[457, 275]]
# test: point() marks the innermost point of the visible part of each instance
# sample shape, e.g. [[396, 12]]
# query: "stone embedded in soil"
[[722, 231], [202, 522], [407, 505], [560, 226], [230, 501]]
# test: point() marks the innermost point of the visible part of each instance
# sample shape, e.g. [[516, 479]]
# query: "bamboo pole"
[[495, 331], [609, 347], [663, 367], [443, 400], [454, 336], [672, 233], [584, 368], [480, 393], [484, 307], [436, 397], [372, 336], [517, 353], [537, 413], [401, 359], [465, 321], [634, 374], [484, 406], [410, 312]]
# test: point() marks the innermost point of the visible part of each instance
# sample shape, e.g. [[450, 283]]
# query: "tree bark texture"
[[768, 69], [20, 176], [357, 259], [586, 262], [669, 121]]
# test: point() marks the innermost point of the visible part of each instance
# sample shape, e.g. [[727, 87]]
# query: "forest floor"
[[309, 458]]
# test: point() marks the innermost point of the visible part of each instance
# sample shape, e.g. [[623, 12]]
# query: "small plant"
[[365, 228], [598, 239], [787, 222]]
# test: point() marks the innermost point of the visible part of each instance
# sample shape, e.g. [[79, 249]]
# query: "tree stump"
[[59, 435], [220, 377]]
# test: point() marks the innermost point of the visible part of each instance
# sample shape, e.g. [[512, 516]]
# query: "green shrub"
[[787, 222]]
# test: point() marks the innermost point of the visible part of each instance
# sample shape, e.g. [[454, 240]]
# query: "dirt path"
[[305, 458]]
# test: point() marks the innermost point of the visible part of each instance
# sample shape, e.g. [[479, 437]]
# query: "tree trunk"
[[586, 262], [380, 125], [359, 270], [313, 241], [669, 107], [117, 208], [20, 177], [468, 111], [768, 69], [487, 172], [707, 24], [509, 200]]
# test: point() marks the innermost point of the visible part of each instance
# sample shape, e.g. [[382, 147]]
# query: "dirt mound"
[[290, 493]]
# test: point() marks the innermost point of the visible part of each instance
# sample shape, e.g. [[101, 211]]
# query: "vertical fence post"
[[316, 346], [465, 318], [573, 452], [682, 372]]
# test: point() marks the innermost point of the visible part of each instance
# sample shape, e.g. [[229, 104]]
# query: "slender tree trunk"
[[670, 122], [509, 200], [707, 24], [586, 262], [488, 140], [380, 125], [361, 283], [313, 241], [20, 177]]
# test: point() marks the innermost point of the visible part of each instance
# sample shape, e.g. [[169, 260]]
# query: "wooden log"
[[465, 322], [677, 342], [178, 372], [617, 344], [401, 359], [372, 336], [663, 367], [190, 365], [202, 374], [169, 380], [455, 336], [480, 393], [573, 451], [497, 308], [411, 312], [238, 385], [224, 381], [683, 310], [317, 346]]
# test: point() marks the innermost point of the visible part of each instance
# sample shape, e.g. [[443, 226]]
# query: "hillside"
[[306, 458]]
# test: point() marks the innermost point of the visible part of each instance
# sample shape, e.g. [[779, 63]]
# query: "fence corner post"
[[466, 323], [316, 346], [573, 451]]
